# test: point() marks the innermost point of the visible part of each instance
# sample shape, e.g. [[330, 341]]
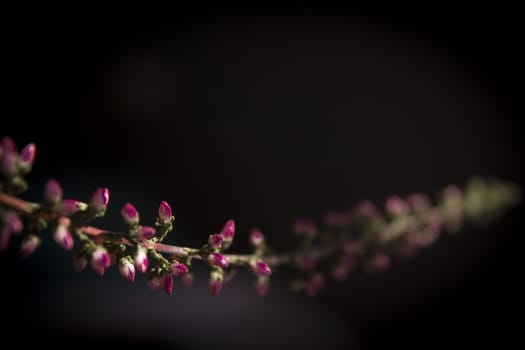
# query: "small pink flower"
[[228, 231], [27, 156], [165, 213], [72, 206], [187, 280], [218, 260], [127, 269], [53, 192], [63, 237], [100, 260], [367, 209], [304, 227], [79, 262], [13, 223], [154, 283], [100, 199], [396, 206], [9, 166], [261, 268], [145, 232], [179, 269], [215, 241], [167, 282], [141, 259], [256, 237], [29, 244], [129, 214]]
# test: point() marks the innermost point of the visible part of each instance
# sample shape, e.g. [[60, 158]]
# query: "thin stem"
[[17, 203]]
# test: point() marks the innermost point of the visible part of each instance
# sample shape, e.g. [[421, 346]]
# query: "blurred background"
[[263, 116]]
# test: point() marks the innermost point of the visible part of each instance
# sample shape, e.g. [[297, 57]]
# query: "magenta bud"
[[165, 214], [145, 232], [100, 260], [314, 285], [256, 237], [154, 283], [215, 284], [141, 259], [5, 238], [179, 269], [261, 268], [9, 166], [396, 206], [218, 260], [29, 245], [215, 241], [27, 156], [130, 214], [100, 199], [72, 206], [187, 280], [127, 269], [63, 237], [79, 262], [13, 223], [53, 192], [9, 145], [167, 282], [228, 231], [304, 227]]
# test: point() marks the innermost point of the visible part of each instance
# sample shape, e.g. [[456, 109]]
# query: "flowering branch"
[[363, 236]]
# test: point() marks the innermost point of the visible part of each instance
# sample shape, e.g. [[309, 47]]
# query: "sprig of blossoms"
[[364, 236]]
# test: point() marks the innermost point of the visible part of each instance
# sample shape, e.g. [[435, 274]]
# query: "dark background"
[[262, 116]]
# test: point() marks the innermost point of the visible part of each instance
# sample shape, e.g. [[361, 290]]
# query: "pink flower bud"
[[379, 262], [262, 286], [9, 145], [27, 156], [154, 283], [79, 262], [304, 227], [215, 284], [165, 214], [256, 237], [179, 269], [167, 282], [228, 231], [100, 260], [9, 166], [215, 241], [314, 285], [130, 214], [141, 259], [72, 206], [13, 223], [218, 260], [145, 232], [367, 209], [63, 237], [100, 199], [29, 245], [127, 269], [53, 192], [187, 280], [261, 268], [396, 206]]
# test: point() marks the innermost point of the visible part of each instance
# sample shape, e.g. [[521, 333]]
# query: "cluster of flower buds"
[[365, 236]]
